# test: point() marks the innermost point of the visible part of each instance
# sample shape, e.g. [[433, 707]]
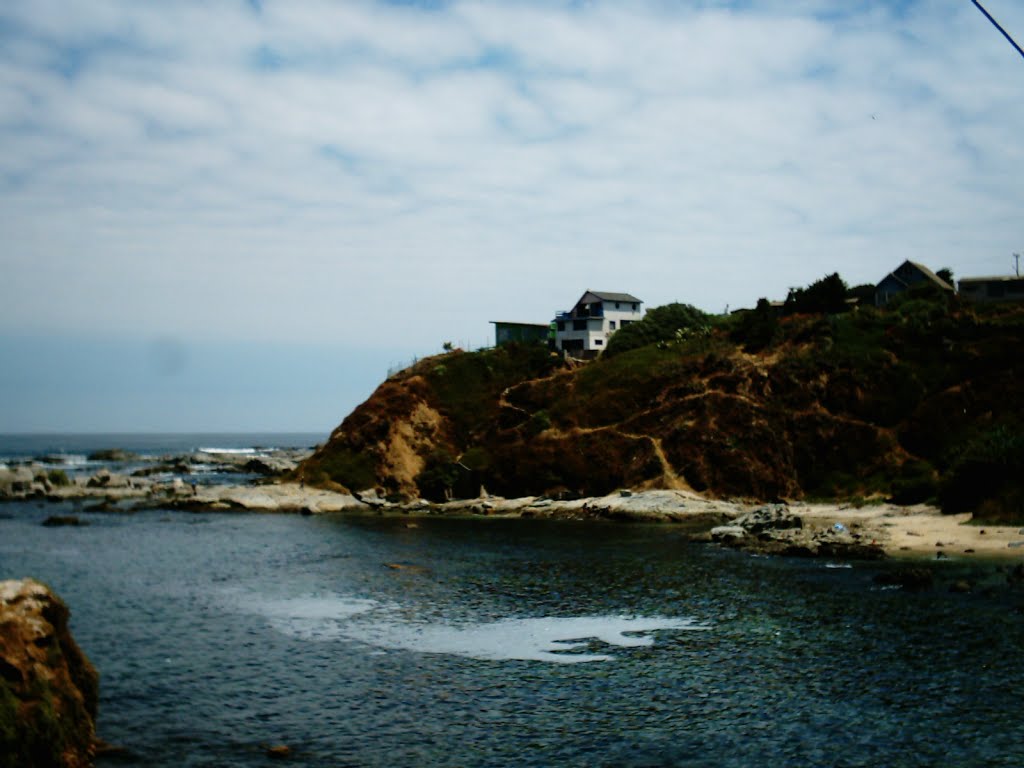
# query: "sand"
[[918, 530]]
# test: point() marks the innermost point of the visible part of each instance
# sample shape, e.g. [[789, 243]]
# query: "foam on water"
[[559, 639]]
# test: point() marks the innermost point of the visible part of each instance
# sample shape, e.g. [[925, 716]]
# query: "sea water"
[[383, 641]]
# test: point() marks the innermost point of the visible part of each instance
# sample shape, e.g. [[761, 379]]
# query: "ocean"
[[383, 641]]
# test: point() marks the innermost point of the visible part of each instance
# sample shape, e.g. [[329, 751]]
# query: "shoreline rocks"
[[48, 688]]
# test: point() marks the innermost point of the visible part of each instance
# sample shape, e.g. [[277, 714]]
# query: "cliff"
[[913, 403], [48, 688]]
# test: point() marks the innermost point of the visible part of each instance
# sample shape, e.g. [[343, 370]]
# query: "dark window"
[[598, 342], [579, 325], [616, 305], [611, 325], [635, 307], [561, 325]]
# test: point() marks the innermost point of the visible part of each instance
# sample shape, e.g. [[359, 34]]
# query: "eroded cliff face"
[[868, 404], [48, 688]]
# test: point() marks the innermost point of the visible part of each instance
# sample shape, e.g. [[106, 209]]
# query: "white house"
[[584, 330]]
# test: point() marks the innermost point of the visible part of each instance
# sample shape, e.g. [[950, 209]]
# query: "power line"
[[998, 26]]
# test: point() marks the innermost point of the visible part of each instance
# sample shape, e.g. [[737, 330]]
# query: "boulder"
[[48, 688], [770, 517], [727, 534], [15, 481], [112, 454]]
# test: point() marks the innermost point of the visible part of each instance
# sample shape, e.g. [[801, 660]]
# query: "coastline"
[[796, 528]]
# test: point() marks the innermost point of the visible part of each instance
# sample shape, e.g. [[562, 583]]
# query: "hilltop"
[[917, 402]]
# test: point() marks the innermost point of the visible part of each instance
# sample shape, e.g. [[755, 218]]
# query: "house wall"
[[1010, 289], [596, 330], [505, 333]]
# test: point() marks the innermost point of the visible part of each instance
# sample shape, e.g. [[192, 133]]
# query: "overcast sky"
[[293, 195]]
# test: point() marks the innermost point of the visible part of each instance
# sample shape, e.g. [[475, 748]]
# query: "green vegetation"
[[352, 469], [466, 385], [58, 477], [986, 474], [913, 402], [659, 324], [34, 732], [827, 295]]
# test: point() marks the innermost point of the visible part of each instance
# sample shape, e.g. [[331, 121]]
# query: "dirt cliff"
[[912, 403]]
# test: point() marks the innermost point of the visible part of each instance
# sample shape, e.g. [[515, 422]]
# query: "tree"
[[945, 274], [659, 324], [826, 296]]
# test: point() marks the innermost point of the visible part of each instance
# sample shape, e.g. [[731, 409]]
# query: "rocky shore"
[[798, 529], [48, 688]]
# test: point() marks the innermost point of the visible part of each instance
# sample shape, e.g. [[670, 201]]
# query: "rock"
[[279, 751], [268, 466], [770, 517], [55, 521], [727, 534], [15, 481], [104, 478], [48, 688], [909, 578], [112, 454]]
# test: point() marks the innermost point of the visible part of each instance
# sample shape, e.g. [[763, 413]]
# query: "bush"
[[659, 324], [826, 296], [989, 474], [758, 328], [58, 477]]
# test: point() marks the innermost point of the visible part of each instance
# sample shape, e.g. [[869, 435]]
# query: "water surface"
[[387, 641]]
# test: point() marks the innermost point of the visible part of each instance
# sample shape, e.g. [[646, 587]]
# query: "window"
[[635, 306], [598, 342], [611, 325], [579, 325], [561, 325], [626, 322], [616, 305]]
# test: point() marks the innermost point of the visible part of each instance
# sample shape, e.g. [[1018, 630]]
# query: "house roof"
[[525, 325], [924, 271], [609, 296], [991, 279]]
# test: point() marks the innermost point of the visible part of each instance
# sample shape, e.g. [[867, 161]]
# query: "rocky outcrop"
[[774, 529], [48, 688]]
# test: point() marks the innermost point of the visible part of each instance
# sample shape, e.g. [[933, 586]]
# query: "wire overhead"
[[998, 26]]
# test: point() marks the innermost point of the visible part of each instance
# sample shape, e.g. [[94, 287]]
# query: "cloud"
[[371, 173]]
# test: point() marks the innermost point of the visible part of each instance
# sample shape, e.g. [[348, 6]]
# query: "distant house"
[[906, 275], [999, 288], [525, 333], [584, 330]]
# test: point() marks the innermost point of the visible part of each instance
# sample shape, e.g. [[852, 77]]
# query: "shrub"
[[826, 296], [988, 473], [58, 477], [659, 324]]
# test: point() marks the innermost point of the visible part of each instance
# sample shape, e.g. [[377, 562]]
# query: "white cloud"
[[208, 170]]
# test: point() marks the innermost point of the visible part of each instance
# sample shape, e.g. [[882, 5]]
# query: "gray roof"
[[990, 279], [931, 275], [608, 296]]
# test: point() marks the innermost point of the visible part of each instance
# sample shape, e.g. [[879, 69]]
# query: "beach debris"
[[839, 528]]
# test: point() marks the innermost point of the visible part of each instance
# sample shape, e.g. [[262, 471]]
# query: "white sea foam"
[[563, 640], [559, 639], [240, 451]]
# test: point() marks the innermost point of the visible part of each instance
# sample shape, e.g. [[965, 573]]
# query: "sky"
[[238, 215]]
